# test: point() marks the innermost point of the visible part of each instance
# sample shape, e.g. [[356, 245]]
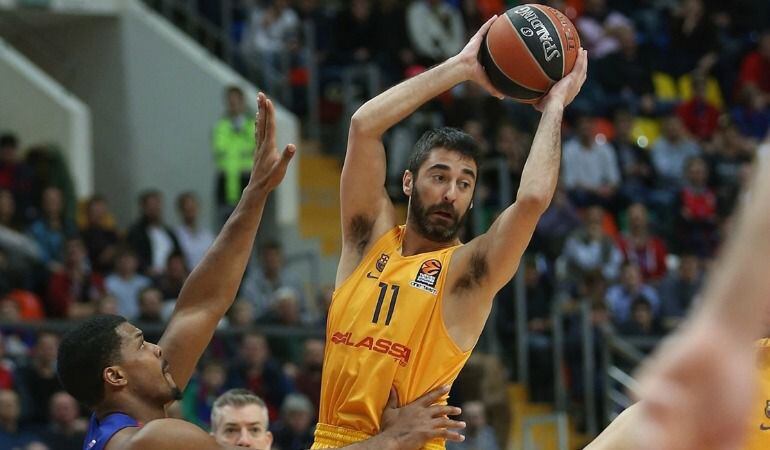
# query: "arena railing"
[[620, 356], [219, 41]]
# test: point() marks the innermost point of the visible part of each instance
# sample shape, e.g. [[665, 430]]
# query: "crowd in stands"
[[656, 150]]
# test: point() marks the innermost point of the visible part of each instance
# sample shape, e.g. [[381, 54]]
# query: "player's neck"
[[139, 410], [414, 243]]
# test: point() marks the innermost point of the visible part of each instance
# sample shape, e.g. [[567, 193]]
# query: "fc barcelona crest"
[[381, 262]]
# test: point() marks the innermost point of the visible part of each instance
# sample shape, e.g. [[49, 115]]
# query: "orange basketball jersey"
[[385, 328], [759, 431]]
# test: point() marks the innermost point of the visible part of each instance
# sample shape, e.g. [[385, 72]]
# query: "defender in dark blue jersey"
[[107, 365]]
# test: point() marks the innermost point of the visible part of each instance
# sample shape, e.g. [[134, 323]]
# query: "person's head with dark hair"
[[126, 262], [187, 205], [696, 172], [96, 210], [7, 208], [53, 203], [105, 362], [9, 147], [151, 204], [271, 258], [440, 182], [235, 101]]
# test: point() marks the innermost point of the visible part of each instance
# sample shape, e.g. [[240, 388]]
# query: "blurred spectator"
[[641, 247], [398, 55], [285, 312], [51, 230], [202, 392], [125, 283], [13, 436], [99, 235], [107, 305], [751, 114], [6, 367], [732, 152], [435, 29], [8, 216], [671, 151], [590, 171], [66, 430], [149, 237], [15, 175], [241, 314], [678, 290], [642, 321], [194, 238], [698, 115], [150, 316], [357, 41], [590, 249], [258, 372], [261, 282], [598, 28], [754, 76], [555, 225], [625, 74], [270, 26], [693, 40], [697, 206], [233, 145], [308, 377], [74, 288], [631, 287], [538, 295], [37, 380], [636, 169], [173, 278], [478, 435], [295, 429]]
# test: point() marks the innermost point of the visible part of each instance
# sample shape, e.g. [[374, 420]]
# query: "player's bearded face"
[[440, 222]]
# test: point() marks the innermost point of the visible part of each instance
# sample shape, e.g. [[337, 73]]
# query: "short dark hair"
[[8, 140], [234, 89], [84, 353], [181, 198], [147, 194], [443, 137]]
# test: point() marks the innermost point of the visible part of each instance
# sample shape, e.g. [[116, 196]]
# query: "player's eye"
[[438, 178]]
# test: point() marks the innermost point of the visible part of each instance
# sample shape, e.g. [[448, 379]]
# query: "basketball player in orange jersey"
[[412, 300], [699, 391], [106, 364]]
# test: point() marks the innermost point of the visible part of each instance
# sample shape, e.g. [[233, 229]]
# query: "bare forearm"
[[378, 442], [737, 295], [215, 281], [377, 115], [541, 171]]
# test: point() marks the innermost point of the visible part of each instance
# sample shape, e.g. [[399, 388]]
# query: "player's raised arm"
[[698, 388], [366, 209], [512, 231], [211, 288]]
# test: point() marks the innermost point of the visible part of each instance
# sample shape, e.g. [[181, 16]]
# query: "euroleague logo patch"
[[381, 262], [427, 276]]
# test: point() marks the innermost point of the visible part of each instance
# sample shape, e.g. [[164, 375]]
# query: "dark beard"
[[435, 232]]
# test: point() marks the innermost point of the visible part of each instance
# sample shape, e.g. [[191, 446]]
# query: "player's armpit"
[[172, 434]]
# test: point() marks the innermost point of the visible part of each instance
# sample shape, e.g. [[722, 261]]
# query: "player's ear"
[[408, 182], [269, 439], [115, 376]]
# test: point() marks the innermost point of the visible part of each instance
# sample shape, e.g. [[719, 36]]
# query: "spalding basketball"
[[527, 50]]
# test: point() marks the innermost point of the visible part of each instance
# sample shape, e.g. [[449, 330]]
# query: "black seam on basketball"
[[548, 27], [503, 82], [529, 50], [561, 43]]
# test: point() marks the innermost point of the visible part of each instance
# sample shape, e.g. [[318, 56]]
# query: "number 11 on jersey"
[[391, 307]]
